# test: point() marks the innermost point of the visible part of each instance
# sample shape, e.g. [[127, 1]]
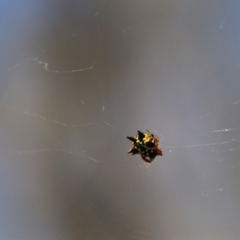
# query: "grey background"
[[77, 77]]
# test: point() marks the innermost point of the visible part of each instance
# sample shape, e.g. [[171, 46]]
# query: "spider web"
[[80, 76]]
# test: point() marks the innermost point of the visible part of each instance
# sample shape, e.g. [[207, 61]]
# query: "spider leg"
[[146, 159], [158, 152]]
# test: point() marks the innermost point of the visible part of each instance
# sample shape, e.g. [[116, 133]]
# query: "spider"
[[145, 144]]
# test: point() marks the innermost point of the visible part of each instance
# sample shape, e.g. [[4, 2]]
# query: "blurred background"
[[77, 77]]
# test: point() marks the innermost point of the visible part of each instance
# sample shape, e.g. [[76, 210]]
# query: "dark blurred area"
[[77, 77]]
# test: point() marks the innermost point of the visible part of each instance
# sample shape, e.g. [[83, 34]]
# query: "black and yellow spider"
[[145, 144]]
